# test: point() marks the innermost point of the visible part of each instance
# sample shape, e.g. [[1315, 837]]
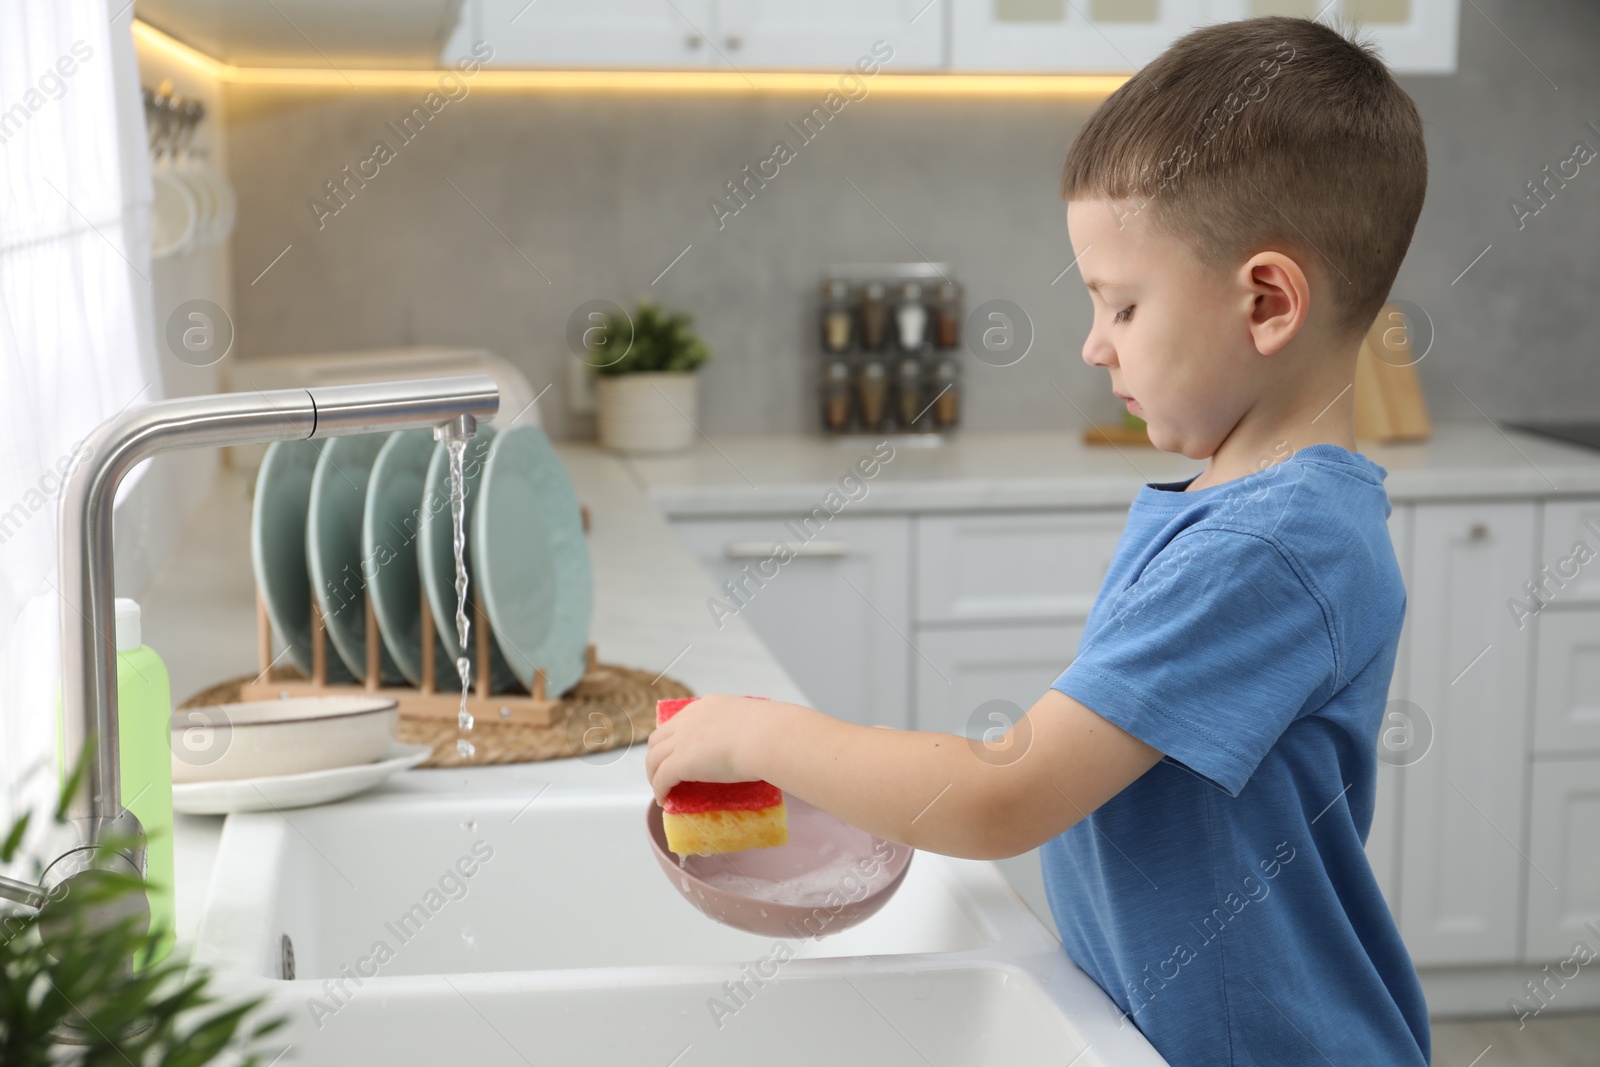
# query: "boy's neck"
[[1272, 432]]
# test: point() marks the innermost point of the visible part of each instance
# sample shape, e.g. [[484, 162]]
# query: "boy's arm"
[[934, 791]]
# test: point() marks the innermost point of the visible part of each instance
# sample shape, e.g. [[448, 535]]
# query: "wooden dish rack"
[[423, 701]]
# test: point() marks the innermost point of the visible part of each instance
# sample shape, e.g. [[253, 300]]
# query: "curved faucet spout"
[[88, 647]]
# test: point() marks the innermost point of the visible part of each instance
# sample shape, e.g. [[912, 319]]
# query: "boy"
[[1201, 776]]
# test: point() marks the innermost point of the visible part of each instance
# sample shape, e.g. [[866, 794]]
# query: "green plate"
[[278, 548], [530, 558], [390, 528], [339, 570], [437, 564]]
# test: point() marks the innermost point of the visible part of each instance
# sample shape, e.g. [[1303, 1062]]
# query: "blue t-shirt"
[[1224, 900]]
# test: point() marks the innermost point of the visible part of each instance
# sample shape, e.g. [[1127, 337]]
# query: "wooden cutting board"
[[1389, 405], [1115, 433]]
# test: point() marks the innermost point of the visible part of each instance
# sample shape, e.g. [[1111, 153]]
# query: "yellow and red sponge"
[[709, 818]]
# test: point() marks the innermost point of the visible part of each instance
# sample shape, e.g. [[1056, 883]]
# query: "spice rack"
[[889, 336]]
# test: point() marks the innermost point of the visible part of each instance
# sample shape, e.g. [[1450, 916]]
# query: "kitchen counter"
[[649, 591], [649, 612], [976, 471]]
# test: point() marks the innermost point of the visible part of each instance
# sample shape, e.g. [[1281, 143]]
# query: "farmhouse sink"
[[505, 929]]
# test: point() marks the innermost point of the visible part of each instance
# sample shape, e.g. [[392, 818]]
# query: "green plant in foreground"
[[67, 967], [650, 339]]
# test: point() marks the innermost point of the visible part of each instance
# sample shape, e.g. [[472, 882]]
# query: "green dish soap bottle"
[[144, 729]]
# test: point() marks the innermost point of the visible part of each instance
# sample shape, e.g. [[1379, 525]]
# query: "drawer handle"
[[1477, 531], [763, 549]]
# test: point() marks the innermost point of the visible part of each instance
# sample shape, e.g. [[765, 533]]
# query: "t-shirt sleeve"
[[1209, 655]]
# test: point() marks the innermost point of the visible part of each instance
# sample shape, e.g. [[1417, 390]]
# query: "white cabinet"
[[963, 673], [1001, 602], [1563, 872], [1569, 562], [1395, 750], [703, 34], [831, 34], [1468, 670], [1090, 36], [615, 34], [1008, 567], [837, 615], [1563, 875], [1566, 715], [1118, 36], [960, 36], [972, 679]]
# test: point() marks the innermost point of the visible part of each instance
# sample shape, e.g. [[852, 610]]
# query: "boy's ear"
[[1280, 299]]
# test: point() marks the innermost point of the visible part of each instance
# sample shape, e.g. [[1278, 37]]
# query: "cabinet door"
[[1013, 567], [836, 615], [1462, 826], [1383, 841], [961, 670], [1567, 684], [1563, 877], [588, 34], [829, 34], [1571, 536], [1088, 36]]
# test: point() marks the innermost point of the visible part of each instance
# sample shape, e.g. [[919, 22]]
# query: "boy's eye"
[[1123, 315]]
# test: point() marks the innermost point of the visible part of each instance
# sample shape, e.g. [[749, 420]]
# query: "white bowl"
[[263, 738]]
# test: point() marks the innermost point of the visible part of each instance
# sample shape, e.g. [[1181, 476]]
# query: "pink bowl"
[[829, 877]]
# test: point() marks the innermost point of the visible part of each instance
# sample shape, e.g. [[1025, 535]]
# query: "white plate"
[[292, 790]]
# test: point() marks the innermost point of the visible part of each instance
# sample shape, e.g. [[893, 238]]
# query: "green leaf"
[[74, 782], [653, 340], [14, 838], [91, 986]]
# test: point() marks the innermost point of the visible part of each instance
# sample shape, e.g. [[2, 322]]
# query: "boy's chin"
[[1164, 440]]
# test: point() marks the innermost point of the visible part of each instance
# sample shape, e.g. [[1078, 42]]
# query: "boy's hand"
[[717, 738]]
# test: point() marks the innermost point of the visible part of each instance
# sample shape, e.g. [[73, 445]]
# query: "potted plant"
[[645, 388], [69, 996]]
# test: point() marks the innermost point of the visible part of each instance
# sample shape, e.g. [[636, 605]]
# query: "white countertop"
[[199, 614], [1055, 469]]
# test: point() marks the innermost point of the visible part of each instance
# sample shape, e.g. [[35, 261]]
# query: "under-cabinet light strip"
[[1080, 85]]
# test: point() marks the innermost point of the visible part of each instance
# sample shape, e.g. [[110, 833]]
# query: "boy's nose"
[[1098, 353]]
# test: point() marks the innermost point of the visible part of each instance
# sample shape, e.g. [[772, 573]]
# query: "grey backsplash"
[[563, 198]]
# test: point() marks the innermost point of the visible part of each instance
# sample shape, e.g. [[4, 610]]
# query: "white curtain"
[[76, 338]]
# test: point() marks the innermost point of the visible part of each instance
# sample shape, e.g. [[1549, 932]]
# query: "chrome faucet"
[[88, 646]]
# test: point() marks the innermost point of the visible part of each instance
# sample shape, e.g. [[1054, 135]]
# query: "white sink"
[[497, 929]]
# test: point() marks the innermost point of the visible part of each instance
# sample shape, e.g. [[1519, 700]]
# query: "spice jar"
[[910, 317], [947, 316], [874, 317], [872, 390], [947, 392], [837, 322], [836, 395], [909, 392]]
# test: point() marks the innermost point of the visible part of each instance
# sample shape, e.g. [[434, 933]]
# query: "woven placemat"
[[610, 707]]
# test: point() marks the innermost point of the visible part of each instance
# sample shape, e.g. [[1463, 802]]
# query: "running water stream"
[[458, 449]]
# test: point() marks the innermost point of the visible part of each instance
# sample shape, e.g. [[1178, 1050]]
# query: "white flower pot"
[[654, 411]]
